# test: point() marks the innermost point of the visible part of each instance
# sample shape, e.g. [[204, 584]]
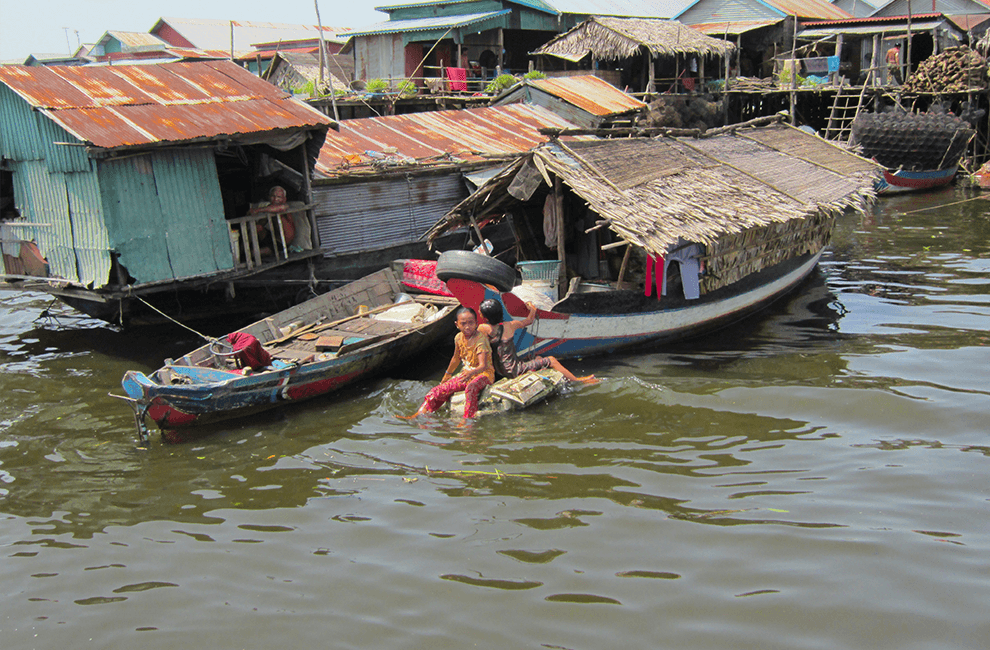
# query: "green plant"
[[376, 86], [406, 88], [534, 74], [500, 83], [305, 89], [784, 76]]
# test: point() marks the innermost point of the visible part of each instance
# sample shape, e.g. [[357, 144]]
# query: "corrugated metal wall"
[[54, 185], [19, 137], [713, 11], [380, 56], [366, 216], [165, 213], [89, 232], [41, 198], [62, 157]]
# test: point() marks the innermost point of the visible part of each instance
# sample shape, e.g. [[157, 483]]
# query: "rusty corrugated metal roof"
[[132, 105], [809, 9], [439, 137], [591, 94], [869, 20], [134, 39], [733, 28]]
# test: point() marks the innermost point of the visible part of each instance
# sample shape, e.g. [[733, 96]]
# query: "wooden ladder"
[[846, 106]]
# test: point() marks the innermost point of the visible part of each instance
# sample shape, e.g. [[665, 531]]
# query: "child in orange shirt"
[[472, 348]]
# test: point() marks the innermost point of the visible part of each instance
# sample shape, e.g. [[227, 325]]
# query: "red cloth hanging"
[[249, 351], [654, 268], [457, 78]]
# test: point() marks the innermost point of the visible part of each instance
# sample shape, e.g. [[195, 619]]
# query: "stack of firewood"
[[955, 70]]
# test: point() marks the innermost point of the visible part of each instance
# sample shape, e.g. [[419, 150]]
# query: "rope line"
[[208, 339]]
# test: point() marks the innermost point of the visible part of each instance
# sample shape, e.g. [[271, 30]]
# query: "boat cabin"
[[628, 225]]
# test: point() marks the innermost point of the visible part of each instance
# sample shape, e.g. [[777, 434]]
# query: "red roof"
[[870, 20], [132, 105], [591, 94], [437, 137]]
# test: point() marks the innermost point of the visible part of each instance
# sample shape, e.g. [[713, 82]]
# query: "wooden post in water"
[[793, 74]]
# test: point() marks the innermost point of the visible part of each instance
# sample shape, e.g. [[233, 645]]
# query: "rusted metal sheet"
[[440, 137], [119, 106], [732, 28], [809, 9], [591, 94]]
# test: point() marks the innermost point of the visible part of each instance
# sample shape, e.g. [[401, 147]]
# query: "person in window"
[[276, 204]]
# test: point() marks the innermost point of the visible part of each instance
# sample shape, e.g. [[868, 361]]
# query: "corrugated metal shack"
[[584, 100], [124, 179], [382, 182]]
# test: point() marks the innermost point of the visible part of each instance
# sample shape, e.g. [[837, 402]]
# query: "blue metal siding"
[[61, 157], [165, 213], [133, 217], [713, 11], [19, 137], [441, 9], [192, 207], [89, 232], [947, 7], [41, 198]]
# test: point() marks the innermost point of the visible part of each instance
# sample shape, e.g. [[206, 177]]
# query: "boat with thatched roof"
[[642, 239]]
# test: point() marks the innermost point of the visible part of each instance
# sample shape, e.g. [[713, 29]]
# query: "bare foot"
[[589, 380]]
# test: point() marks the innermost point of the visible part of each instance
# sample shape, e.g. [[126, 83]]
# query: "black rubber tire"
[[465, 265]]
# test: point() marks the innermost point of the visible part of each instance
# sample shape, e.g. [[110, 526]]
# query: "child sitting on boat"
[[471, 348], [500, 336]]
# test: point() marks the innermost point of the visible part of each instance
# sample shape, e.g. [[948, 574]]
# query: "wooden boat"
[[657, 239], [919, 151], [607, 319], [316, 347], [900, 180]]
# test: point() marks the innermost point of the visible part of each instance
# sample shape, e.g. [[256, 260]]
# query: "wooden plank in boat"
[[325, 343]]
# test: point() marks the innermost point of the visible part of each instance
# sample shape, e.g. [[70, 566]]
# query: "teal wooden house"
[[421, 39], [134, 182]]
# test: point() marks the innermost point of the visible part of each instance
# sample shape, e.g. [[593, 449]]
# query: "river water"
[[815, 477]]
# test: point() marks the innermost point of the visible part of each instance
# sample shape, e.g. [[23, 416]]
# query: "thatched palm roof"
[[653, 192], [612, 39]]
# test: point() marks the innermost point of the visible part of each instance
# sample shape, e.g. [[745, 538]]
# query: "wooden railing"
[[245, 244]]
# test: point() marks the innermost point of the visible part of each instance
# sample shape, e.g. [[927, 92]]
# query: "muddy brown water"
[[814, 477]]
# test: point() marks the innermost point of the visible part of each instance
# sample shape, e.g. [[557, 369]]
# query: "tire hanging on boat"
[[465, 265]]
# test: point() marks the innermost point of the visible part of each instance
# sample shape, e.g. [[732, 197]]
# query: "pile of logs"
[[677, 112], [955, 70]]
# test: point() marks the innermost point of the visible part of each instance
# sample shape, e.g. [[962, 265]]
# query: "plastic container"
[[542, 270]]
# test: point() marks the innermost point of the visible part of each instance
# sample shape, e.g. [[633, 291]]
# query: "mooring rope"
[[208, 339], [945, 205]]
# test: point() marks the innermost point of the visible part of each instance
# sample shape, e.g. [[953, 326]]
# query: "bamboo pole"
[[793, 74], [323, 60], [622, 268]]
